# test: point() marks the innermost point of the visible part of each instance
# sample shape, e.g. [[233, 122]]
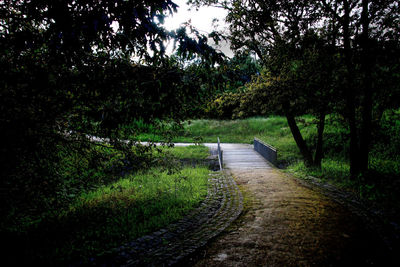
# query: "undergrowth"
[[186, 152], [101, 208]]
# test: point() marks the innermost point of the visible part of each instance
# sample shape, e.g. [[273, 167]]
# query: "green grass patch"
[[333, 171], [273, 130], [186, 152], [379, 185], [146, 202], [99, 220], [104, 201], [231, 131]]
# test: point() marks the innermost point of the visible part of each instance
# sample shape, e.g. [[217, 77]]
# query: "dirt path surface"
[[285, 223]]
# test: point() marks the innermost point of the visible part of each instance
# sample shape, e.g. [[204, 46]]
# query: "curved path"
[[171, 245], [287, 223], [284, 223]]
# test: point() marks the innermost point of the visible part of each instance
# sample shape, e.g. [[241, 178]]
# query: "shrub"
[[224, 106]]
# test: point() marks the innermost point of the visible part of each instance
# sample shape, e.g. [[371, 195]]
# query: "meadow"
[[380, 186]]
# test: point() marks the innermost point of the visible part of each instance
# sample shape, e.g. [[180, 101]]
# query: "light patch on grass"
[[112, 215], [185, 152], [332, 171], [188, 186]]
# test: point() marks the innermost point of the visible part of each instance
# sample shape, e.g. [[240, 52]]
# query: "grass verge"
[[186, 152], [107, 215]]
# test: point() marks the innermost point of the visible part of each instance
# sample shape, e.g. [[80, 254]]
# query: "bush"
[[388, 135], [224, 106]]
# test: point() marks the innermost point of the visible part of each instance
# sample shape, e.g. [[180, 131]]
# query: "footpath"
[[257, 215], [288, 223]]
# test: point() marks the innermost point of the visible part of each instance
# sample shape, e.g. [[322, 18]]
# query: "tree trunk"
[[350, 97], [301, 144], [365, 138], [319, 151]]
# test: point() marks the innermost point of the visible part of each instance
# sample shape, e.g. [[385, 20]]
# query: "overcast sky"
[[201, 20]]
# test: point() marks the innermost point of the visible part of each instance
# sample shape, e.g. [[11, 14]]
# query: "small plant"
[[198, 140]]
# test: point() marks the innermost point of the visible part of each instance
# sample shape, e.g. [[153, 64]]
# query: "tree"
[[230, 75], [72, 68], [361, 29], [354, 30], [276, 31]]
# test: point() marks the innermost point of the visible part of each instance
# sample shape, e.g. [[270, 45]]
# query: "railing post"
[[220, 160]]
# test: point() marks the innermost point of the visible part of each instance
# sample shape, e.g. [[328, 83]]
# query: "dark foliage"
[[73, 69]]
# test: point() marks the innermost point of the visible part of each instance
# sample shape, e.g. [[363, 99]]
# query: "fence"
[[220, 160], [267, 151]]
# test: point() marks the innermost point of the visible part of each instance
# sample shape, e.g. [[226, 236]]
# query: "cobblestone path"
[[168, 246]]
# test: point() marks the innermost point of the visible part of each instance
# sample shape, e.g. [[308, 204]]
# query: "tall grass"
[[99, 207], [140, 203], [186, 152], [99, 220]]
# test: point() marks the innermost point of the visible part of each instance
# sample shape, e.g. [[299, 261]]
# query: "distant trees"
[[210, 81], [321, 56]]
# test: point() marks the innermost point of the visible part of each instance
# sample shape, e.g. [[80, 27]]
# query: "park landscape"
[[108, 149]]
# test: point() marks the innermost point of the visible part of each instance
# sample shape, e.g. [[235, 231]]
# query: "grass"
[[134, 206], [379, 185], [230, 131], [99, 218], [98, 221], [334, 171], [186, 152], [273, 130]]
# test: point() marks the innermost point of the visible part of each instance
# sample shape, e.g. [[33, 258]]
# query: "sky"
[[201, 20]]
